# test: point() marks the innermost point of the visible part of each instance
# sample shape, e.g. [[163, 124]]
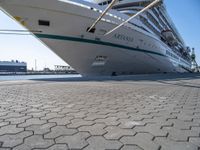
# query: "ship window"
[[43, 22]]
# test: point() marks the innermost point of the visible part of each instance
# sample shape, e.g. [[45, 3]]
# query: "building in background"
[[64, 69], [13, 67]]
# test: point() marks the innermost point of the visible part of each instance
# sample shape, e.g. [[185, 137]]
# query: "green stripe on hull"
[[74, 39]]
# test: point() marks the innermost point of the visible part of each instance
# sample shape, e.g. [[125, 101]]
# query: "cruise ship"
[[105, 37]]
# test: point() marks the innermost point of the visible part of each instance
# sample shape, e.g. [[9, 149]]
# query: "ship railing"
[[92, 27]]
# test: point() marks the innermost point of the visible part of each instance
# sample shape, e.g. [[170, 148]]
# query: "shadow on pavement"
[[146, 77]]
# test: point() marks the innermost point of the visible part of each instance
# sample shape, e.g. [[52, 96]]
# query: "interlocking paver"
[[115, 133], [129, 124], [51, 116], [32, 121], [197, 129], [66, 111], [62, 121], [60, 131], [96, 129], [197, 120], [10, 129], [143, 140], [38, 114], [120, 115], [131, 114], [59, 147], [5, 148], [168, 144], [76, 141], [18, 120], [183, 125], [100, 143], [75, 123], [32, 110], [139, 116], [180, 135], [40, 129], [112, 121], [195, 141], [4, 123], [35, 141], [93, 116], [154, 129], [131, 147], [12, 115], [80, 114], [14, 139]]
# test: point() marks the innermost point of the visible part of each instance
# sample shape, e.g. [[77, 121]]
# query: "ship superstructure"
[[156, 21], [149, 43]]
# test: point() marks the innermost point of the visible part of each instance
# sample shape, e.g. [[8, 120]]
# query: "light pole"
[[35, 64]]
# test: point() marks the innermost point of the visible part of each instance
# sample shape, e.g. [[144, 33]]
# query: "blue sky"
[[184, 13]]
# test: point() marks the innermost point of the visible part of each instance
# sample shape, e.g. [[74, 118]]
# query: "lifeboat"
[[169, 37]]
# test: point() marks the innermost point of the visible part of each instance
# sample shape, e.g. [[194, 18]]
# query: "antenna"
[[35, 64]]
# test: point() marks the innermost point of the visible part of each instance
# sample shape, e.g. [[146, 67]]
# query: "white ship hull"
[[126, 51]]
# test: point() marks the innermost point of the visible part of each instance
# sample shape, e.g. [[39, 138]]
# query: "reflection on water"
[[28, 77]]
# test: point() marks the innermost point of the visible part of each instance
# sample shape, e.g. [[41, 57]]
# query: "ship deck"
[[143, 112]]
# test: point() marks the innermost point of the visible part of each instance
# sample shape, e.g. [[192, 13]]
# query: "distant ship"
[[12, 67], [149, 43]]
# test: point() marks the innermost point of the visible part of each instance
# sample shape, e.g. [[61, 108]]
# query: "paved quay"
[[146, 112]]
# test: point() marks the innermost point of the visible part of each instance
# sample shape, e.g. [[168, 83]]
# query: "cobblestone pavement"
[[140, 114]]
